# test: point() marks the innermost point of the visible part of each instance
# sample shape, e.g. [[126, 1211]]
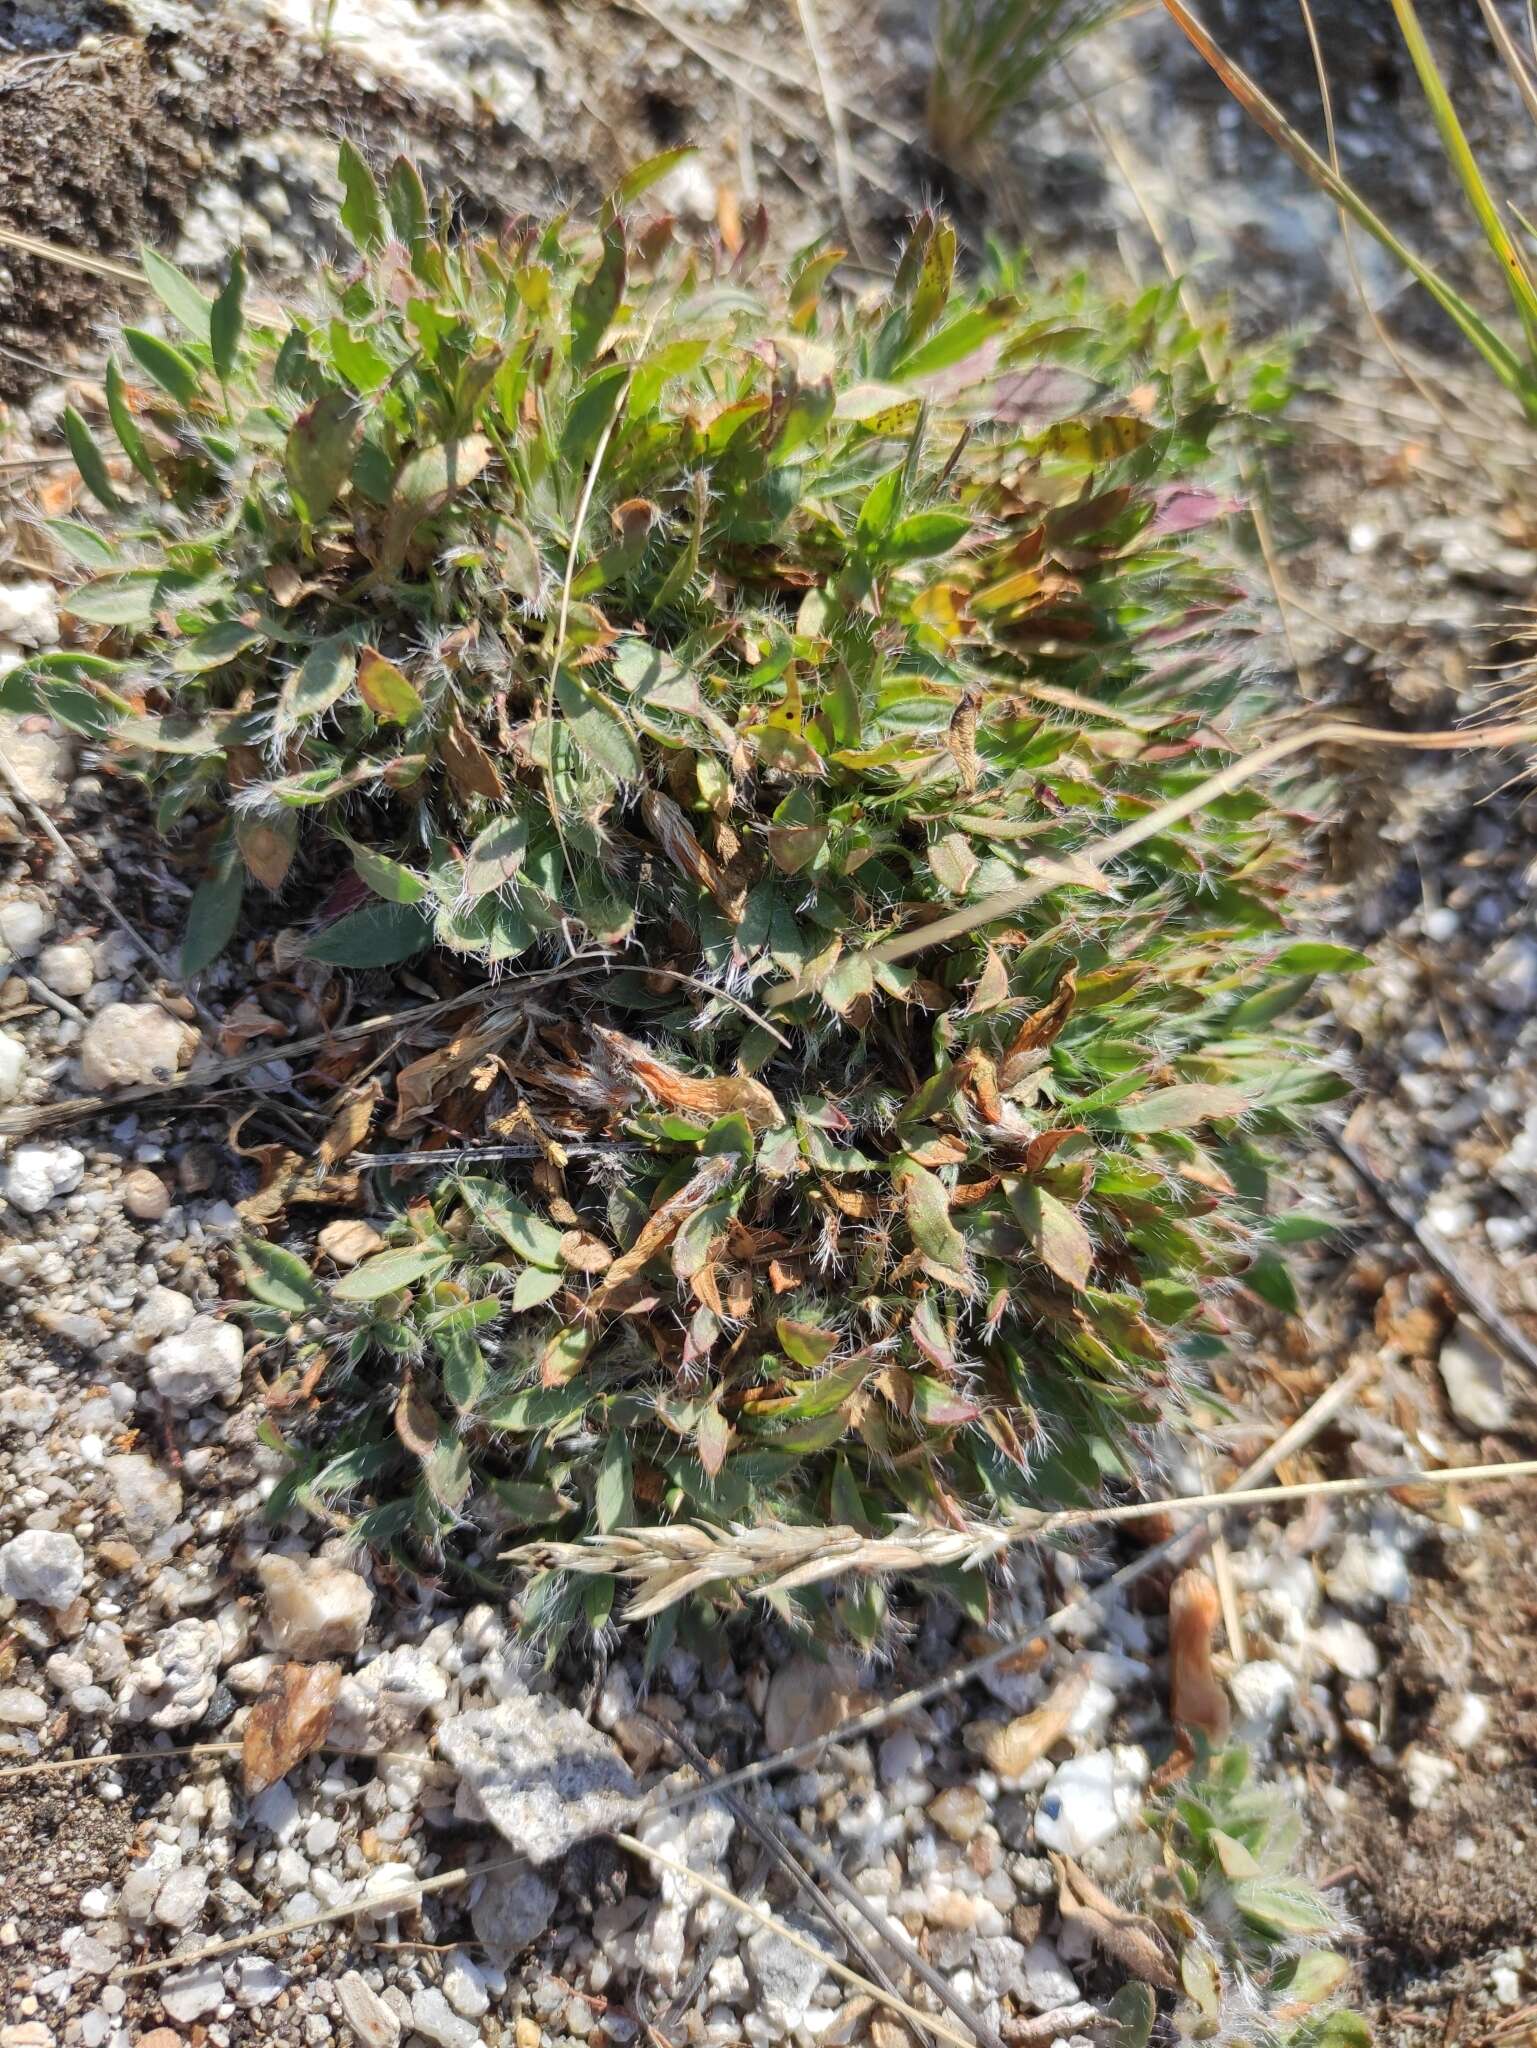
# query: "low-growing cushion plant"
[[571, 598], [1251, 1936]]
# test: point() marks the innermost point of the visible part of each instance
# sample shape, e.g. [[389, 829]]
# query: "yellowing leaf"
[[940, 1244], [1055, 1233], [389, 694]]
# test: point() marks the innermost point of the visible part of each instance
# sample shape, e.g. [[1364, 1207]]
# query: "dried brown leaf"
[[1038, 1029], [1130, 1939]]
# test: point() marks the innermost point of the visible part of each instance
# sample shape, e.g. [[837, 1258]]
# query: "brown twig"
[[17, 1123], [1084, 868]]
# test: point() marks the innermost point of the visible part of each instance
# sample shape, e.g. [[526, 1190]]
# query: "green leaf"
[[447, 1472], [326, 673], [596, 299], [1281, 1907], [1182, 1108], [1314, 1977], [406, 197], [879, 510], [599, 730], [124, 424], [378, 935], [1055, 1233], [320, 451], [362, 212], [1236, 1861], [187, 306], [210, 650], [390, 695], [460, 1358], [82, 543], [212, 916], [613, 1497], [495, 856], [924, 534], [423, 486], [174, 372], [590, 412], [533, 1286], [391, 879], [928, 1218], [526, 1503], [1313, 956], [1269, 1276], [549, 1409], [952, 344], [527, 1234], [90, 461], [279, 1278], [126, 598], [1134, 2009], [645, 174], [1341, 2030], [806, 1343], [390, 1272], [226, 322]]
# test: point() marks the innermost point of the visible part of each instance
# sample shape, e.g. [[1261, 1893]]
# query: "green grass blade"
[[1459, 152], [1496, 351]]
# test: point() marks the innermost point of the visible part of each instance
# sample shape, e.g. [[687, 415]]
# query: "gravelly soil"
[[1421, 546]]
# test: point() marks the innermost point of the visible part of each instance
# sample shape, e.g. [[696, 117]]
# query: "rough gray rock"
[[372, 2022], [133, 1045], [148, 1499], [387, 1696], [37, 1173], [43, 1566], [786, 1978], [314, 1608], [510, 1913], [199, 1364], [541, 1775], [1473, 1373]]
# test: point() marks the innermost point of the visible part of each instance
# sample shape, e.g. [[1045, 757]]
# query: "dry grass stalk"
[[1089, 863], [668, 1564]]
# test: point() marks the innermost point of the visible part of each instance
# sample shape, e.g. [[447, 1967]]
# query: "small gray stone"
[[541, 1775], [173, 1685], [20, 1708], [37, 1173], [134, 1045], [371, 2020], [148, 1499], [258, 1980], [786, 1978], [192, 1994], [180, 1899], [1035, 1976], [67, 968], [43, 1566], [199, 1364], [512, 1910], [384, 1698], [1473, 1373], [464, 1987], [43, 761], [433, 2017], [314, 1608], [23, 927], [13, 1066]]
